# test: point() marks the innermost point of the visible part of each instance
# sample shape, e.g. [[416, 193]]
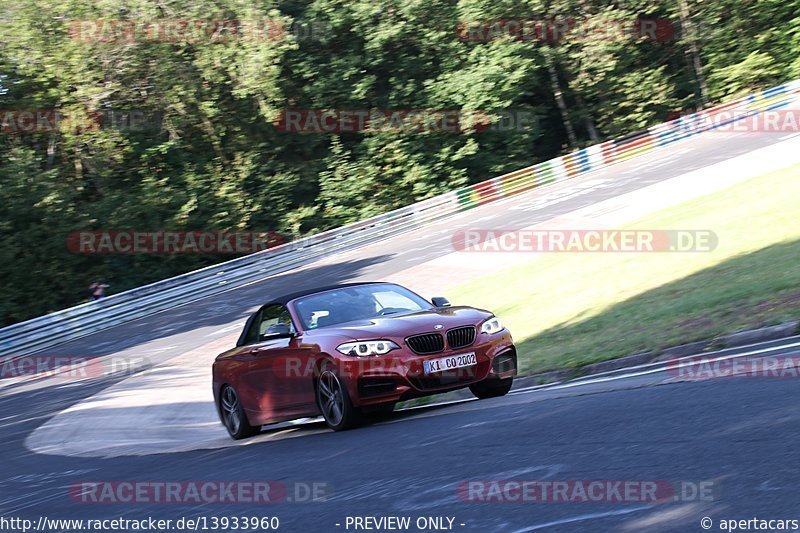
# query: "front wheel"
[[233, 416], [334, 402], [491, 388]]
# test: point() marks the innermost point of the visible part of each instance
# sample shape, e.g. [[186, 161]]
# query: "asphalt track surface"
[[738, 433]]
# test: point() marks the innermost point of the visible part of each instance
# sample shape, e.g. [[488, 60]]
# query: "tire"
[[334, 402], [232, 414], [491, 388]]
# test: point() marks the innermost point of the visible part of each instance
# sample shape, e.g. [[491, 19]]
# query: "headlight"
[[364, 348], [493, 325]]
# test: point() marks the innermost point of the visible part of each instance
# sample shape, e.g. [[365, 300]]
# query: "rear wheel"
[[491, 388], [233, 417], [334, 402]]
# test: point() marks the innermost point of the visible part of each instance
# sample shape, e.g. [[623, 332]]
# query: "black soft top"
[[286, 298]]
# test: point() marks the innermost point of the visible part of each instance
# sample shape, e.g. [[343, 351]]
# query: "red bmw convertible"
[[355, 349]]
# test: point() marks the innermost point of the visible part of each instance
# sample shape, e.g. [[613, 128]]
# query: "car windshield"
[[361, 302]]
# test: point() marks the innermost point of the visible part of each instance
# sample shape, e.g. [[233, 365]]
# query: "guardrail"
[[62, 326]]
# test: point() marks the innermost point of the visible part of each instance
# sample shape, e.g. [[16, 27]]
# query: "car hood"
[[403, 325]]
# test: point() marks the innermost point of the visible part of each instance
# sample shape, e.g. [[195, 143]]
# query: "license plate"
[[449, 363]]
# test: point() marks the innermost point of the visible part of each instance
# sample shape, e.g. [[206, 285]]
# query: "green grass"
[[571, 309]]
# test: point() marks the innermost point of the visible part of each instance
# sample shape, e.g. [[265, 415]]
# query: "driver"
[[357, 307]]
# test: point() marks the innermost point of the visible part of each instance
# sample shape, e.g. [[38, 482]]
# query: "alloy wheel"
[[230, 410], [331, 399]]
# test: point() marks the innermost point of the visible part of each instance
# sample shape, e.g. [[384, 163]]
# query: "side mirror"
[[277, 331], [439, 301]]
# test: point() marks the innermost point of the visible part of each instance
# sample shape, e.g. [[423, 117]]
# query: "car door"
[[274, 355]]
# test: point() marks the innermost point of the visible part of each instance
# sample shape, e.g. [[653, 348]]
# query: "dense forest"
[[193, 132]]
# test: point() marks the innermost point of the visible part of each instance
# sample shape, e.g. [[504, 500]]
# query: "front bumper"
[[400, 375]]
